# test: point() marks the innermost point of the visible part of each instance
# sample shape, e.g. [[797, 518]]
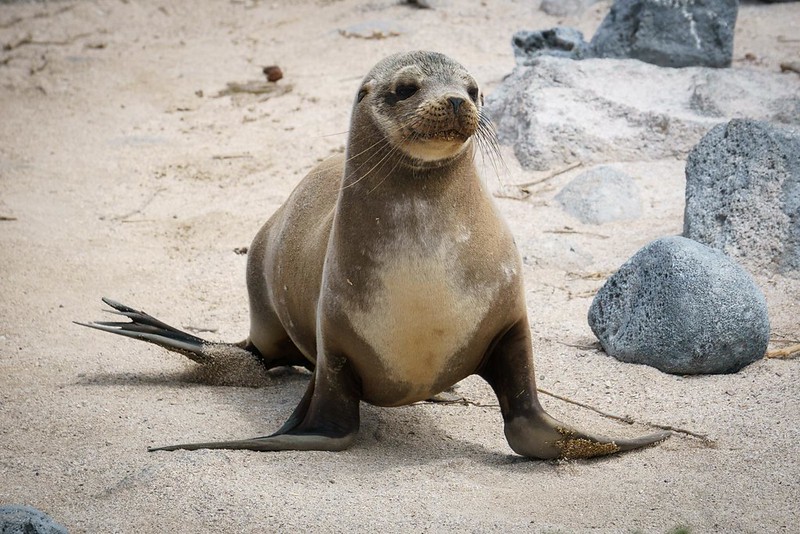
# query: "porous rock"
[[601, 195], [560, 41], [15, 519], [683, 308], [555, 111], [669, 33], [743, 193]]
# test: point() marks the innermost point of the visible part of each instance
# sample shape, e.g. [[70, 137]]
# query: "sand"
[[122, 174]]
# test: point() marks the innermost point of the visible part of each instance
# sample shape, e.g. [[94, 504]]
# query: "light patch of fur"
[[423, 313], [463, 234], [432, 149], [509, 271]]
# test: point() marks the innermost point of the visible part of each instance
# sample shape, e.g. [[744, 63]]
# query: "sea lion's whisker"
[[351, 157], [391, 171], [335, 134], [380, 162]]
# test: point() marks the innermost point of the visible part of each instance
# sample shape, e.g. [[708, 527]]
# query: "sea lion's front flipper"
[[326, 419], [530, 431]]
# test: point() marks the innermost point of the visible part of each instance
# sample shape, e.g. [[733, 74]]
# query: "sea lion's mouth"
[[445, 135]]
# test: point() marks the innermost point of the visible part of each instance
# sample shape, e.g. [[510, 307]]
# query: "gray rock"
[[556, 111], [669, 33], [560, 41], [16, 519], [562, 8], [743, 193], [601, 195], [683, 308]]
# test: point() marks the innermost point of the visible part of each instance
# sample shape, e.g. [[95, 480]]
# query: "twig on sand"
[[593, 346], [568, 230], [624, 419], [549, 176], [27, 39], [792, 351], [41, 15], [793, 66], [125, 217], [243, 155], [599, 275], [522, 190], [254, 87]]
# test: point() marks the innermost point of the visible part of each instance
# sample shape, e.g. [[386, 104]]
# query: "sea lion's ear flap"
[[365, 89]]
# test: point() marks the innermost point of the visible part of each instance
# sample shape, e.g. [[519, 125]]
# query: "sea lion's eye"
[[473, 94], [405, 90]]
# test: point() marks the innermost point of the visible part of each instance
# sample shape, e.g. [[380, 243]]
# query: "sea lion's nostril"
[[456, 102]]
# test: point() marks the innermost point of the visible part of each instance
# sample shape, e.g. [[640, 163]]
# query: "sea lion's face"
[[426, 105]]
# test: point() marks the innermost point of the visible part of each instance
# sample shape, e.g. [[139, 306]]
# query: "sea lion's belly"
[[421, 323]]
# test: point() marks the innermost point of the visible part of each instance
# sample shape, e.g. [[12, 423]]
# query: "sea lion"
[[391, 272]]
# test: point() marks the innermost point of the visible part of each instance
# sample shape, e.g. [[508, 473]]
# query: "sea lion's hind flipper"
[[539, 435], [530, 431], [326, 419], [147, 328], [282, 442]]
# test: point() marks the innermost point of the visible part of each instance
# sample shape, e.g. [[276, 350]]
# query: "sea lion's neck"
[[401, 200]]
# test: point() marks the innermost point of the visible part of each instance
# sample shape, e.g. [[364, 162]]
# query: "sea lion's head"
[[424, 104]]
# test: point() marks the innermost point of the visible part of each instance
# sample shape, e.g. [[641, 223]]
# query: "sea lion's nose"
[[456, 103]]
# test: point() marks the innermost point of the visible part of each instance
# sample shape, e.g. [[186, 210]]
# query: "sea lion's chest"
[[425, 307]]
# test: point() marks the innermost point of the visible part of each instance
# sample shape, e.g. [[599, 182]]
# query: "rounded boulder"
[[683, 308]]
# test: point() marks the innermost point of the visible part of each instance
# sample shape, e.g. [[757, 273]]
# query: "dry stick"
[[702, 437], [522, 188], [42, 15], [243, 155], [599, 275], [621, 418], [9, 23], [548, 176], [786, 352], [28, 40], [705, 439], [582, 294], [254, 87], [573, 231], [460, 401], [140, 209], [595, 346], [781, 338]]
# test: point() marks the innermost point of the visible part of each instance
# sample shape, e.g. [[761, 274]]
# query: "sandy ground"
[[122, 175]]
